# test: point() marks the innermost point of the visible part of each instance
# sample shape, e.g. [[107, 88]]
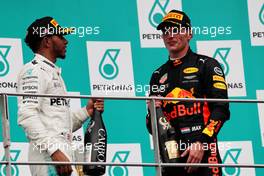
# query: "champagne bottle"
[[95, 143], [168, 139]]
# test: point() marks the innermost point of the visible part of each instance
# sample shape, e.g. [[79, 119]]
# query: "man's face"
[[59, 44], [176, 39]]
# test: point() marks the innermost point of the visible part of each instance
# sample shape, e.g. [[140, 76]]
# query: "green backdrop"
[[119, 21]]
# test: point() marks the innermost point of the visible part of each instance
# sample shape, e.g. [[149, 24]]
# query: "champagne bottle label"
[[100, 146], [95, 141], [79, 169], [172, 149], [88, 152]]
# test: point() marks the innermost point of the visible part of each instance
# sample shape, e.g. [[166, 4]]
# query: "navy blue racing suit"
[[193, 76]]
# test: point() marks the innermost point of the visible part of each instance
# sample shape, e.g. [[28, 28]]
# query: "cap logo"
[[173, 15], [54, 22]]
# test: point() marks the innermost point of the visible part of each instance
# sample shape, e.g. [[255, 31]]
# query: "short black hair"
[[33, 43], [45, 26]]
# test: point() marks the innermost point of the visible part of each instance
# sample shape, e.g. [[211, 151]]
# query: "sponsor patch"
[[209, 130], [185, 130], [182, 110], [190, 70], [178, 93], [177, 62], [218, 71], [163, 78], [196, 128], [218, 78], [29, 72], [190, 81], [57, 84], [190, 77], [220, 86]]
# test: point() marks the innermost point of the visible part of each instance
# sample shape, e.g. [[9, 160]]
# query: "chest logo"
[[190, 70]]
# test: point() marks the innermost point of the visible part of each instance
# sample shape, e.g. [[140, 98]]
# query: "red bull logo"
[[178, 93], [181, 110]]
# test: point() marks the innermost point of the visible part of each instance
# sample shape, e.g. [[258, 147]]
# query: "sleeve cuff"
[[203, 138], [52, 149], [51, 145], [83, 114]]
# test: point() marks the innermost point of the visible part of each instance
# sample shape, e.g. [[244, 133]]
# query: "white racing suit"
[[48, 122]]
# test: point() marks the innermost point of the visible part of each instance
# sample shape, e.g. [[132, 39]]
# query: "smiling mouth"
[[171, 43]]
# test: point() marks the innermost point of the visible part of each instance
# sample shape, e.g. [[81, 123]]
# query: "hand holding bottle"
[[97, 104]]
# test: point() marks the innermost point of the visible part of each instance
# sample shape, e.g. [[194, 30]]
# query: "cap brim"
[[164, 24], [169, 23]]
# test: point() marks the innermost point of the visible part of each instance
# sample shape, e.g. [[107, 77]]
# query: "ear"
[[46, 42], [189, 36]]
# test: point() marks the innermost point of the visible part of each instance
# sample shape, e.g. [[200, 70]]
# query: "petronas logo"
[[157, 12], [231, 157], [108, 67], [119, 157], [4, 65], [14, 169], [261, 14], [221, 55]]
